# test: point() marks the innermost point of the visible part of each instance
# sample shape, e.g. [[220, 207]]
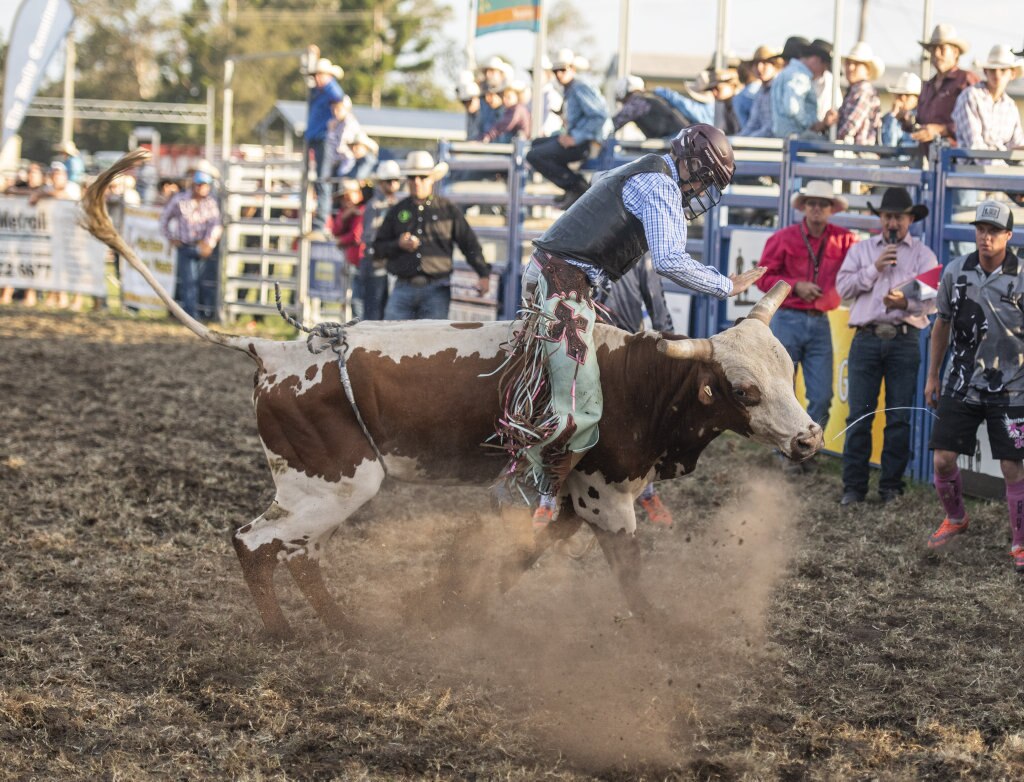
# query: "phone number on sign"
[[24, 269]]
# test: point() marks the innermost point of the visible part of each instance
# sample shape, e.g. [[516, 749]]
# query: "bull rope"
[[333, 334]]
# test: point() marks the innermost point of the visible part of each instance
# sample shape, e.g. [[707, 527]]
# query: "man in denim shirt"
[[794, 101], [586, 120]]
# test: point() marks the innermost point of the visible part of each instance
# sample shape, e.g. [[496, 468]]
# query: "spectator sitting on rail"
[[552, 99], [191, 222], [743, 101], [859, 116], [347, 227], [794, 102], [821, 66], [724, 84], [364, 150], [695, 102], [586, 121], [984, 115], [495, 73], [417, 239], [808, 255], [324, 93], [980, 323], [514, 122], [767, 62], [886, 347], [468, 94], [654, 116], [492, 101], [934, 118], [342, 130], [34, 183], [72, 160], [372, 270], [905, 94]]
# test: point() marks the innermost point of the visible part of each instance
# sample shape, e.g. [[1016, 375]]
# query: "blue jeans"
[[808, 340], [871, 360], [419, 302], [374, 289], [323, 187], [195, 282]]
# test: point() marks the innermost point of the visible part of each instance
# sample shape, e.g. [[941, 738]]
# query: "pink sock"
[[951, 494], [1015, 500]]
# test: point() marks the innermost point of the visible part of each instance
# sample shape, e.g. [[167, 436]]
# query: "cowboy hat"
[[863, 53], [1001, 57], [700, 88], [323, 65], [388, 169], [723, 76], [945, 33], [467, 91], [794, 47], [565, 58], [764, 53], [818, 189], [545, 64], [516, 85], [628, 84], [818, 48], [898, 201], [348, 185], [421, 163], [907, 84], [67, 147]]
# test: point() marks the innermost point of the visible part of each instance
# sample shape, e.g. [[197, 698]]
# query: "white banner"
[[38, 30], [43, 247], [142, 232]]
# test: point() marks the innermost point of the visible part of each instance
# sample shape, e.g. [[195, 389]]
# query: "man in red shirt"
[[934, 118], [808, 255]]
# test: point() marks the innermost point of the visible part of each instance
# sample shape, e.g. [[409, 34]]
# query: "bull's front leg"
[[622, 551]]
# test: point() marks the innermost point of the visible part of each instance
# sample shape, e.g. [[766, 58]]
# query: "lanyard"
[[815, 259]]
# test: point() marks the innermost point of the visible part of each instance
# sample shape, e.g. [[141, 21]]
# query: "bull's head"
[[760, 374]]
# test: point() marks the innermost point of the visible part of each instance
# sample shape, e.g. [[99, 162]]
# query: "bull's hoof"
[[279, 632]]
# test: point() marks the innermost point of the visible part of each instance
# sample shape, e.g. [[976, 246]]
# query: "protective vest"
[[598, 229], [661, 119]]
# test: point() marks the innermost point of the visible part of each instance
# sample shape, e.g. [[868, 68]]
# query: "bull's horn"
[[765, 308], [694, 349]]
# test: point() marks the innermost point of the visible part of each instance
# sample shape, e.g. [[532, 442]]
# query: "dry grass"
[[799, 641]]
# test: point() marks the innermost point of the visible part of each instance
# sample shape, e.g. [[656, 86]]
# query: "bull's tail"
[[96, 221]]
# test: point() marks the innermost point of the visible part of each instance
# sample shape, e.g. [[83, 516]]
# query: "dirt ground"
[[797, 641]]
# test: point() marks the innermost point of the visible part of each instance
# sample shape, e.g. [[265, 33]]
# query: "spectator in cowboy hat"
[[808, 255], [794, 101], [416, 241], [495, 73], [653, 115], [905, 94], [750, 86], [695, 103], [886, 347], [72, 160], [468, 94], [324, 94], [514, 121], [552, 120], [818, 57], [724, 84], [934, 118], [586, 123], [984, 115], [858, 118], [373, 272], [767, 62]]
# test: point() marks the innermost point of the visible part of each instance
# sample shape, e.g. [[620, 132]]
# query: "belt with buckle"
[[417, 280], [887, 330], [801, 311]]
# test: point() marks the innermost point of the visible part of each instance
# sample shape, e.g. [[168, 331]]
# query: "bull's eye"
[[746, 394]]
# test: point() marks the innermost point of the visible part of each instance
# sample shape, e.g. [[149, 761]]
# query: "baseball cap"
[[995, 213], [202, 178]]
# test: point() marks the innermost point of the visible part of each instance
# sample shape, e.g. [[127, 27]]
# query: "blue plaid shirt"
[[654, 199]]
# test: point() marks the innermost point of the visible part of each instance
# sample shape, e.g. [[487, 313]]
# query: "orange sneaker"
[[656, 511], [1017, 552], [542, 517], [946, 532]]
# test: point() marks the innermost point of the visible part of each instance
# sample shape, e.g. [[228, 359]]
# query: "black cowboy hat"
[[819, 47], [794, 47], [898, 200]]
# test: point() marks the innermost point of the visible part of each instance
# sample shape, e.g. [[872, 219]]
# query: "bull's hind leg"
[[294, 529]]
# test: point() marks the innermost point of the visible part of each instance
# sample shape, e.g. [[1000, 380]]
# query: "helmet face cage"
[[707, 176]]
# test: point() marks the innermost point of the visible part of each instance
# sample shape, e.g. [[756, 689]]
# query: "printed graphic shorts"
[[957, 428]]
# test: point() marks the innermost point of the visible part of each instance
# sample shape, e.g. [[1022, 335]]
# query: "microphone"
[[892, 236]]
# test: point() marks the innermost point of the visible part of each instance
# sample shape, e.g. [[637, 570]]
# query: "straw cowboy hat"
[[421, 163], [898, 201], [348, 185], [766, 53], [945, 33], [565, 58], [700, 88], [1000, 57], [323, 65], [862, 52], [388, 169], [818, 189], [627, 85], [907, 84], [516, 85], [723, 76], [67, 147]]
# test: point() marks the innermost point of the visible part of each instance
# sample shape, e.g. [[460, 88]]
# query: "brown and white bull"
[[429, 400]]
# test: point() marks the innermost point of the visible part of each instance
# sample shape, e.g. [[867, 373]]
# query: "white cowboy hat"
[[516, 85], [628, 84], [700, 88], [495, 64], [323, 65], [388, 169], [1002, 56], [945, 33], [907, 84], [467, 91], [862, 52], [421, 163], [818, 189], [563, 59]]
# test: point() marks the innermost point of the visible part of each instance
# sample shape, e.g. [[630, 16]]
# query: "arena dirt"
[[794, 641]]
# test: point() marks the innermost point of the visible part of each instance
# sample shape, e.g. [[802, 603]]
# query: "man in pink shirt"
[[808, 255], [886, 345]]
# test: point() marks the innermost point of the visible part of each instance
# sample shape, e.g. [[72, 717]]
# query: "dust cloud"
[[559, 651]]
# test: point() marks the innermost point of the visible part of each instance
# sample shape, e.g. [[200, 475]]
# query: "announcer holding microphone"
[[886, 345]]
